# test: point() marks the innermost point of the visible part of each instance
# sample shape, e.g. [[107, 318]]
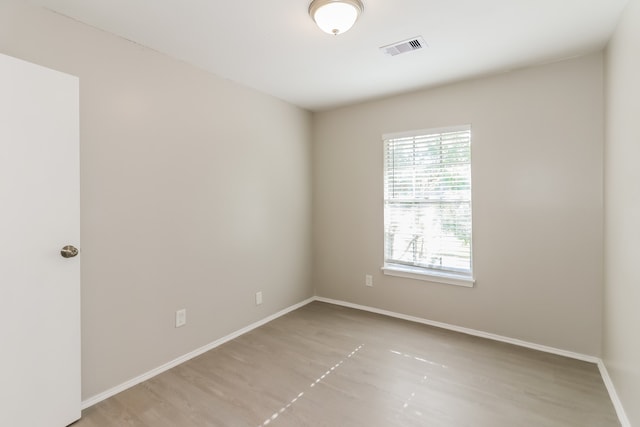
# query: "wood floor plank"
[[325, 365]]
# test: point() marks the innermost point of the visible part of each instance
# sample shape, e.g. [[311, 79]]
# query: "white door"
[[39, 215]]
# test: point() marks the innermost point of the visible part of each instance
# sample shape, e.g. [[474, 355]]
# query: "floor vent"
[[404, 46]]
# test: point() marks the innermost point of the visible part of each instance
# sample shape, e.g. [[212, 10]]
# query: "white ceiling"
[[274, 46]]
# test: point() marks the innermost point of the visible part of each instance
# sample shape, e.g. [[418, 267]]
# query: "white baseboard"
[[175, 362], [615, 399], [468, 331]]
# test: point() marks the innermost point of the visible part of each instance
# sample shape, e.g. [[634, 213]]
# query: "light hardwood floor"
[[324, 365]]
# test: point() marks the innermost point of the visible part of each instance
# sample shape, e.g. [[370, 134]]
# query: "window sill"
[[431, 276]]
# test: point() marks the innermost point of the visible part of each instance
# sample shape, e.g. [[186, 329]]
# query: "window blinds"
[[427, 200]]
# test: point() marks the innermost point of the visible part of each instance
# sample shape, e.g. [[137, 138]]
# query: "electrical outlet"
[[181, 317], [368, 280], [258, 298]]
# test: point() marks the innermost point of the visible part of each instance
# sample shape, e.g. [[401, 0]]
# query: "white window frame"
[[419, 272]]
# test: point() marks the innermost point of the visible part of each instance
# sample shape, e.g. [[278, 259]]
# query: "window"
[[427, 205]]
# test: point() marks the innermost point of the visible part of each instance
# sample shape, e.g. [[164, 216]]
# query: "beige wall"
[[195, 194], [622, 211], [537, 203]]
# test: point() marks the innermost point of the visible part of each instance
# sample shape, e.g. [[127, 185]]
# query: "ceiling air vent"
[[404, 46]]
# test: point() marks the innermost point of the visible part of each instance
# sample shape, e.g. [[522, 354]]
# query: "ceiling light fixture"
[[335, 16]]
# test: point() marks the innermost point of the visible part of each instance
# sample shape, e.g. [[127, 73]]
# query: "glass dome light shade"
[[335, 17]]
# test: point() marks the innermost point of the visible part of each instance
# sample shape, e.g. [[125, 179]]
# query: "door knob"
[[69, 251]]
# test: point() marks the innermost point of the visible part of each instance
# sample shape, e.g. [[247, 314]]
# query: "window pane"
[[434, 235]]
